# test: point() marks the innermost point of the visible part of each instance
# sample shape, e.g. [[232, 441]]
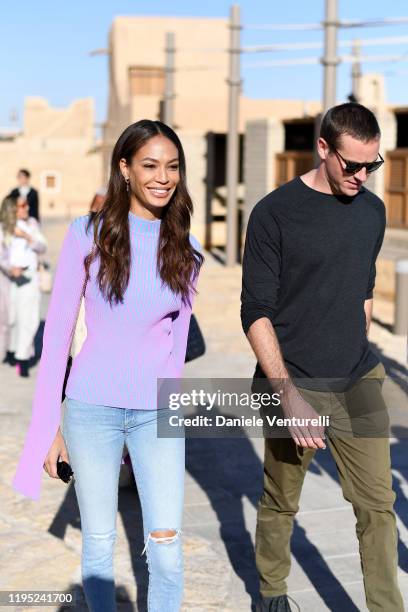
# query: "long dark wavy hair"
[[178, 263]]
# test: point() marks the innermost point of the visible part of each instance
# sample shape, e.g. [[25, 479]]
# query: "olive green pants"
[[359, 442]]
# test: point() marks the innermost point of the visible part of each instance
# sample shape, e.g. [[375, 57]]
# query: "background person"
[[7, 225], [25, 190], [142, 266], [24, 242]]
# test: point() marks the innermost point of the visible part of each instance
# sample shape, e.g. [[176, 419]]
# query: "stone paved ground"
[[41, 541]]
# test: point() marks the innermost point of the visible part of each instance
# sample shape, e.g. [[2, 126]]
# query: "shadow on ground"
[[229, 471], [235, 474], [131, 514]]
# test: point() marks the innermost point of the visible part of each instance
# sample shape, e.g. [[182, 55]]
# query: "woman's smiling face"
[[154, 174]]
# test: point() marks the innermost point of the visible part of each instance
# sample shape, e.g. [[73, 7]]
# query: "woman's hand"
[[16, 272], [57, 451], [21, 234]]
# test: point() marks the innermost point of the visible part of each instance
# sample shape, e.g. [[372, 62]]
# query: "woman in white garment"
[[22, 242], [7, 220]]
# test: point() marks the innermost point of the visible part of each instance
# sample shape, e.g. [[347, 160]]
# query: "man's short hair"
[[350, 118], [26, 173]]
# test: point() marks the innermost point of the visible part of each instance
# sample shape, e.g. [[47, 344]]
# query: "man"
[[307, 294], [25, 190]]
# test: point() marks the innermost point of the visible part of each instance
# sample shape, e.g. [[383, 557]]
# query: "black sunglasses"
[[354, 167]]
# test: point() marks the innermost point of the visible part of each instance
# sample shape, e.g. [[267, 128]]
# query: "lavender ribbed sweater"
[[127, 347]]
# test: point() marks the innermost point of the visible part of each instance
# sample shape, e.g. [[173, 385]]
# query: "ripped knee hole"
[[162, 536]]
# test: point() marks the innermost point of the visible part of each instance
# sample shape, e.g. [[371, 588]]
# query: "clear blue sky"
[[44, 47]]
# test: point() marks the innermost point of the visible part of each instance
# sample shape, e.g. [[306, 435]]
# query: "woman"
[[7, 224], [22, 242], [137, 266]]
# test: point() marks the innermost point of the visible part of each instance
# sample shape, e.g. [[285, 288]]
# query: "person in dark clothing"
[[25, 190], [307, 295]]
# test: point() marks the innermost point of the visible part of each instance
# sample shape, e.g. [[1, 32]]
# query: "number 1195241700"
[[36, 598]]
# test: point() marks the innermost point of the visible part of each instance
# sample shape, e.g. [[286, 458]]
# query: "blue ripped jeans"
[[94, 436]]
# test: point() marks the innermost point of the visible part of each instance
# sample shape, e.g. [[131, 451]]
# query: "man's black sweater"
[[309, 266]]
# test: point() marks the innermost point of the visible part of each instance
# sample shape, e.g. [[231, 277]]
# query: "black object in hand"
[[64, 471], [21, 280], [195, 341]]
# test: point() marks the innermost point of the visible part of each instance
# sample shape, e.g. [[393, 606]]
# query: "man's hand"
[[265, 345], [295, 407]]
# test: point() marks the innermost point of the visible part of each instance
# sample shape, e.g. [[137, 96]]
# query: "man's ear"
[[323, 148]]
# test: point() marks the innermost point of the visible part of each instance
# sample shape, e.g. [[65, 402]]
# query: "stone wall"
[[264, 138], [57, 145]]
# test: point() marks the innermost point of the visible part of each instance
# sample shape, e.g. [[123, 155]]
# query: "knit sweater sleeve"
[[261, 266], [182, 322], [58, 331], [380, 239]]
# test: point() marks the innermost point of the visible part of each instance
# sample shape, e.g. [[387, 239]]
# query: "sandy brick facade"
[[57, 145]]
